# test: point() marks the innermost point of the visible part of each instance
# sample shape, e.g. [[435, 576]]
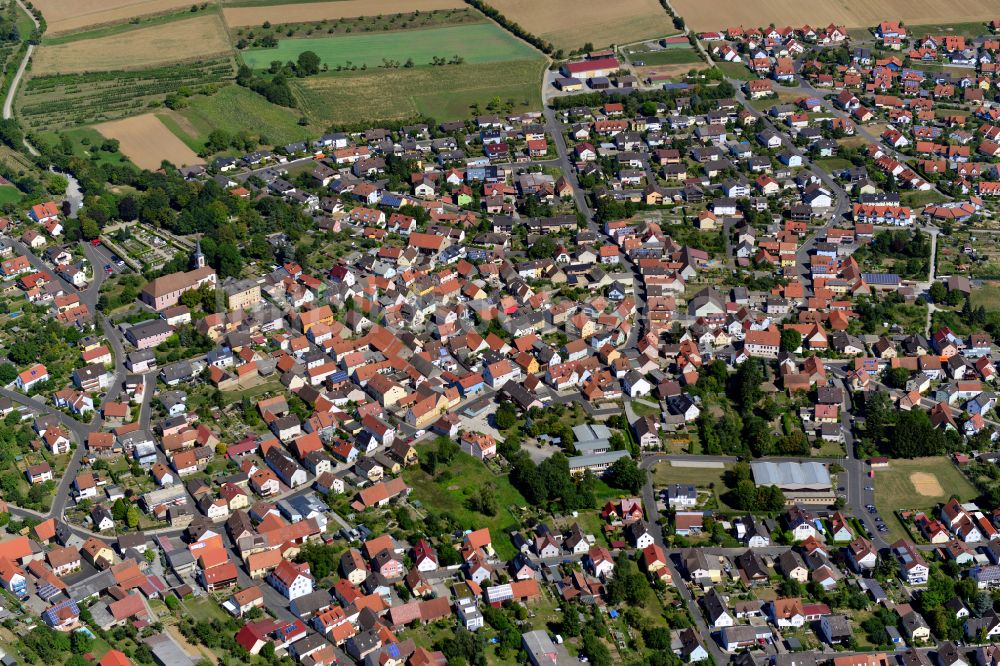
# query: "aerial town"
[[694, 362]]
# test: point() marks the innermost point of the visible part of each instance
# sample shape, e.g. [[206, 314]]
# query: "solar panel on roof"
[[880, 278]]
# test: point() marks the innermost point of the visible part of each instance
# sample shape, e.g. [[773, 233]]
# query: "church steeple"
[[198, 258]]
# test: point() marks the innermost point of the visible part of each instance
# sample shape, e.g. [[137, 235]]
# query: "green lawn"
[[974, 29], [476, 43], [10, 194], [828, 450], [204, 609], [917, 199], [736, 70], [442, 93], [450, 488], [235, 109], [667, 57], [665, 474], [987, 295], [896, 487], [831, 164], [643, 408]]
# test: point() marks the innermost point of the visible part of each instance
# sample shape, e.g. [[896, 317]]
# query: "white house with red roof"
[[44, 212], [292, 580], [479, 445], [31, 377]]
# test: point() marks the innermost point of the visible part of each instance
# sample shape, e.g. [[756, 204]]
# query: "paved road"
[[554, 128], [39, 265], [8, 103], [98, 258]]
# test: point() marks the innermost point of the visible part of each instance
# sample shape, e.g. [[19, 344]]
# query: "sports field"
[[70, 15], [920, 484], [569, 24], [147, 141], [701, 15], [443, 93], [304, 12], [476, 43], [235, 109], [667, 57], [191, 39]]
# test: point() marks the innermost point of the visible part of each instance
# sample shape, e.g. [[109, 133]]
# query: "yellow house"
[[242, 294], [404, 452], [98, 553], [310, 318], [388, 392], [528, 363], [584, 324], [426, 411]]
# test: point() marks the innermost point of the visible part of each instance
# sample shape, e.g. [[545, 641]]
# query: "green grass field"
[[10, 194], [974, 29], [896, 488], [830, 164], [667, 57], [665, 474], [916, 199], [644, 408], [736, 70], [987, 295], [476, 43], [235, 109], [442, 93], [448, 493]]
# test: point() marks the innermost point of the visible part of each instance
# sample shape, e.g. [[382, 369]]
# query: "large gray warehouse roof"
[[791, 475]]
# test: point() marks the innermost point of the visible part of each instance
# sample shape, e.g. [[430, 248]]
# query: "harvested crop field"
[[476, 43], [569, 24], [305, 12], [71, 15], [443, 93], [197, 38], [147, 141], [701, 15]]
